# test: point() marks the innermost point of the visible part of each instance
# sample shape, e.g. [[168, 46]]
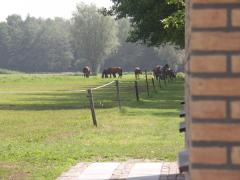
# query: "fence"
[[116, 93]]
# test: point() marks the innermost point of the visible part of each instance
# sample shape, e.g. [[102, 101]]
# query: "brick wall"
[[213, 89]]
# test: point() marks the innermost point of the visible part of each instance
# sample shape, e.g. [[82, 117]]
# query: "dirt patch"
[[19, 176]]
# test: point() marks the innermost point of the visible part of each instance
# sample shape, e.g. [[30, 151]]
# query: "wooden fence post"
[[147, 82], [159, 82], [136, 90], [153, 83], [164, 76], [118, 94], [91, 103]]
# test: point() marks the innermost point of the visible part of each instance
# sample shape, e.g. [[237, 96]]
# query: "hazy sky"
[[44, 8]]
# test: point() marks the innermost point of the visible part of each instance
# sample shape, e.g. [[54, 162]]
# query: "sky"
[[44, 8]]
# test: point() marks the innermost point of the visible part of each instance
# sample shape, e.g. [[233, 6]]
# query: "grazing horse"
[[168, 72], [137, 72], [113, 71], [157, 72], [105, 73], [86, 72]]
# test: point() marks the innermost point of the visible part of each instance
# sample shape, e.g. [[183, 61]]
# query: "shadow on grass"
[[166, 98]]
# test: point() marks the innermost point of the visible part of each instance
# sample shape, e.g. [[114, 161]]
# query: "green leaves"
[[154, 22]]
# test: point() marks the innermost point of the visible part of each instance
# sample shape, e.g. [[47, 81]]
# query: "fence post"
[[153, 83], [91, 103], [159, 82], [118, 94], [147, 82], [165, 83], [136, 90]]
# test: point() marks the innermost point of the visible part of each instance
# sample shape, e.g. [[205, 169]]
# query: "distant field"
[[45, 130]]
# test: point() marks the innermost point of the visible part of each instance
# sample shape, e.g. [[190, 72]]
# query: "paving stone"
[[145, 171], [98, 171], [129, 170]]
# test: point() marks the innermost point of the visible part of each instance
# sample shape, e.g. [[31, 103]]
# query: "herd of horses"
[[159, 72]]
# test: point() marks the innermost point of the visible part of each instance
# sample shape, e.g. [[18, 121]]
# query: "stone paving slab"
[[130, 170]]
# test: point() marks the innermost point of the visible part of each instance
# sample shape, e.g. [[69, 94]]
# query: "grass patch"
[[43, 134]]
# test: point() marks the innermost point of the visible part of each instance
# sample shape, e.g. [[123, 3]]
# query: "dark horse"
[[86, 72], [168, 72], [158, 72], [113, 71], [137, 72]]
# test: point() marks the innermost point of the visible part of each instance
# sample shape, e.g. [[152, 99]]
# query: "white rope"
[[39, 92], [57, 91], [99, 87]]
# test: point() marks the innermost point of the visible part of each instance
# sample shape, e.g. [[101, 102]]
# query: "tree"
[[171, 55], [35, 45], [153, 22], [94, 36]]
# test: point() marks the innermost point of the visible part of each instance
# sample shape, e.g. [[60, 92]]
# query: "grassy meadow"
[[45, 128]]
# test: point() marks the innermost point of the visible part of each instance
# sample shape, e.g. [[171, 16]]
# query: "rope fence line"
[[58, 91], [113, 94]]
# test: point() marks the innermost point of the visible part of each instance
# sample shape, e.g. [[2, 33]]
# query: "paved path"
[[130, 170]]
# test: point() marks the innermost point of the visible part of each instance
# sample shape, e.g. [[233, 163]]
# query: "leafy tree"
[[4, 45], [171, 54], [34, 45], [153, 22], [94, 35]]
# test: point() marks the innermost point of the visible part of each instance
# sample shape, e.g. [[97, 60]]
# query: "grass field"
[[43, 133]]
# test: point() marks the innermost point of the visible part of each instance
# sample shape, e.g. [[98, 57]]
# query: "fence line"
[[58, 91], [99, 87], [119, 92]]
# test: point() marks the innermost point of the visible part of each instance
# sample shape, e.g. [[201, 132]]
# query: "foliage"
[[35, 44], [154, 22], [181, 75], [6, 71], [172, 55], [129, 55], [94, 35], [44, 134], [89, 38]]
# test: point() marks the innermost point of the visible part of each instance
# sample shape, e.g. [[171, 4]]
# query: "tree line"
[[88, 38]]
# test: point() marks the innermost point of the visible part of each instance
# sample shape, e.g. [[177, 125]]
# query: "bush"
[[181, 75], [6, 71]]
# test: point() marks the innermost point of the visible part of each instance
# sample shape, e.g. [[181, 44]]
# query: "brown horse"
[[137, 72], [86, 72], [113, 71], [157, 72]]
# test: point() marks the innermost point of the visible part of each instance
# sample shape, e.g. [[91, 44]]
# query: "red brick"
[[215, 86], [208, 109], [235, 154], [209, 18], [236, 64], [215, 132], [208, 64], [235, 110], [214, 175], [236, 17], [218, 41], [208, 155]]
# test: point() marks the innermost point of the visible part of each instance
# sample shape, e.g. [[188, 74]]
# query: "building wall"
[[213, 89]]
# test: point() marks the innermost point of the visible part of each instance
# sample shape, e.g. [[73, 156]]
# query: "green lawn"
[[42, 134]]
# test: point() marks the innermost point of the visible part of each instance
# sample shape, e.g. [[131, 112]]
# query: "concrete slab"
[[145, 171], [98, 171]]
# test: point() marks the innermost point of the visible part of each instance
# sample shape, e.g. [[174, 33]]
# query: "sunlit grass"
[[43, 134]]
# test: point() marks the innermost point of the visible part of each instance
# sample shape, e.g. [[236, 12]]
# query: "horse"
[[157, 72], [137, 72], [105, 73], [113, 71], [86, 72], [168, 72]]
